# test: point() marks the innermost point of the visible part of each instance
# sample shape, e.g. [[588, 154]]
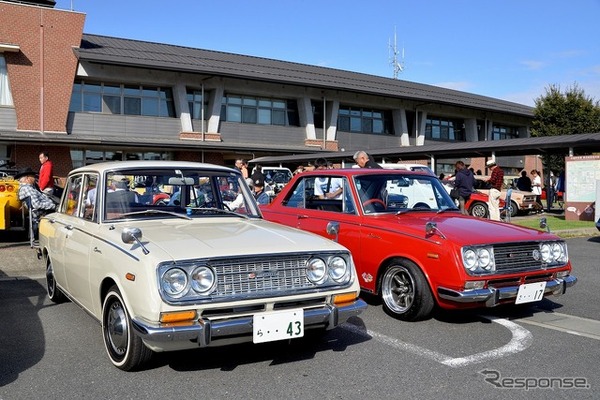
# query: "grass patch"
[[555, 222]]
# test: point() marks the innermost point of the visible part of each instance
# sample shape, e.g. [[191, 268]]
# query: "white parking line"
[[571, 324], [521, 339]]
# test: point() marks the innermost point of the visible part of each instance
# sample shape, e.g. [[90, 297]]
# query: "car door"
[[76, 229], [305, 211]]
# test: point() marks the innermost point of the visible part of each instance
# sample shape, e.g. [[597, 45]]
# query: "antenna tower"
[[394, 54]]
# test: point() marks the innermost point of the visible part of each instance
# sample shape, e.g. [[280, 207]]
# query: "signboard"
[[581, 176]]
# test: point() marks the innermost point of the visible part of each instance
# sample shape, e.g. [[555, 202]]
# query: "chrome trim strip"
[[126, 252]]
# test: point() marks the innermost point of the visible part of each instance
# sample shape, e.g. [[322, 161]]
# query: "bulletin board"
[[581, 176]]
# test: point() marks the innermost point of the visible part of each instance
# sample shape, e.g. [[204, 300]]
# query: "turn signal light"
[[344, 298], [177, 316]]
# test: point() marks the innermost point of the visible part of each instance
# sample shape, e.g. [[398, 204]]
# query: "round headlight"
[[557, 252], [470, 260], [545, 252], [316, 270], [338, 268], [174, 282], [203, 280], [485, 259]]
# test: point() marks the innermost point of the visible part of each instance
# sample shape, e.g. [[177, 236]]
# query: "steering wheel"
[[374, 201], [421, 205]]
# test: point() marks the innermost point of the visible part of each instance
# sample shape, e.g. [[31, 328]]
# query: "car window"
[[324, 193], [70, 204], [164, 193], [393, 193], [90, 184]]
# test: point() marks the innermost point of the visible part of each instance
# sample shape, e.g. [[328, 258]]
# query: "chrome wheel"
[[54, 293], [398, 289], [479, 210], [125, 349], [405, 292]]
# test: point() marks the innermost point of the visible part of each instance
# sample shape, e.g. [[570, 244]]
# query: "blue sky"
[[509, 49]]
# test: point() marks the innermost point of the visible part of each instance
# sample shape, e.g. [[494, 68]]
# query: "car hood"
[[227, 236], [459, 229]]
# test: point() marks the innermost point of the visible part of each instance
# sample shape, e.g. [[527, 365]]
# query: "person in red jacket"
[[46, 179]]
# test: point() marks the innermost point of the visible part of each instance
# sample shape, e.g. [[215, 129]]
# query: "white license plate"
[[278, 325], [530, 292]]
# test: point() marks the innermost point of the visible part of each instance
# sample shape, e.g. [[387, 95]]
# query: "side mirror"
[[133, 235], [333, 228], [544, 224]]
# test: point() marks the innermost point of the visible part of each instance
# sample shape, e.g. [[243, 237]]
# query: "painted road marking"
[[571, 324], [521, 339]]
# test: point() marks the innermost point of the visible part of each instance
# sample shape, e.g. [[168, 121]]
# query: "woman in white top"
[[536, 188]]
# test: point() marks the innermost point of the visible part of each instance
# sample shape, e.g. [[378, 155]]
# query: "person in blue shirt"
[[259, 191]]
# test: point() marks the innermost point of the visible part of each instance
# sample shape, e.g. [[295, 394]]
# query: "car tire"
[[405, 293], [54, 293], [514, 209], [478, 209], [125, 349]]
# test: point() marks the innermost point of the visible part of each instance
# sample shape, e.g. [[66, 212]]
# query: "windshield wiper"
[[149, 212], [218, 211], [448, 208]]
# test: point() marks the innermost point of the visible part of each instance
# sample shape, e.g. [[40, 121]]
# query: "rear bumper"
[[205, 331], [494, 296]]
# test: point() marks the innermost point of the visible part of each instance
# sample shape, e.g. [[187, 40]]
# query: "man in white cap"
[[496, 181]]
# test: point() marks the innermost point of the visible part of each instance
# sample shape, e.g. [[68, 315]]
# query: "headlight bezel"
[[553, 253], [478, 260]]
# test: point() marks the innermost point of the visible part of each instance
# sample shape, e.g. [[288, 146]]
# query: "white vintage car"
[[173, 255]]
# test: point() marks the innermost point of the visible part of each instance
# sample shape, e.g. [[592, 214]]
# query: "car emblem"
[[262, 274], [537, 255], [367, 277]]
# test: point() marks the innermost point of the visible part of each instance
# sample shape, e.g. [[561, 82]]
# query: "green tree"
[[568, 113]]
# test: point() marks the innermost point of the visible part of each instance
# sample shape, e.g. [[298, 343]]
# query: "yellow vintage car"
[[12, 215]]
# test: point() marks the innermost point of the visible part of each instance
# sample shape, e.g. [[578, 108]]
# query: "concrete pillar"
[[305, 114], [181, 107], [422, 123], [332, 113], [471, 130], [214, 108], [401, 126]]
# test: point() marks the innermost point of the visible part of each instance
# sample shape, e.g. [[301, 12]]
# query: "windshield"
[[166, 193], [401, 193]]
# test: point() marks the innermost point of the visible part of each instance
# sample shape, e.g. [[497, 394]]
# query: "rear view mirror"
[[178, 181]]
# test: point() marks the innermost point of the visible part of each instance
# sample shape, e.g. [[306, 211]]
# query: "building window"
[[445, 129], [195, 103], [82, 157], [504, 132], [259, 110], [122, 99], [5, 95], [363, 120]]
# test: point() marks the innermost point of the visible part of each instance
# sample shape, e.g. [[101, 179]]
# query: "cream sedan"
[[202, 269]]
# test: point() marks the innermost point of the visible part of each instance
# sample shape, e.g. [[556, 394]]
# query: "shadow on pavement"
[[22, 342]]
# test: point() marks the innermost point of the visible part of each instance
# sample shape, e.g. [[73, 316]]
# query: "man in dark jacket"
[[464, 181], [362, 160]]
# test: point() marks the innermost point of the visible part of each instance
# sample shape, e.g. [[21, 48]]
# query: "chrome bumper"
[[206, 331], [494, 296]]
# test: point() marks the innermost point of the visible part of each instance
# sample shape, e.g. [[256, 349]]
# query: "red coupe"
[[413, 247]]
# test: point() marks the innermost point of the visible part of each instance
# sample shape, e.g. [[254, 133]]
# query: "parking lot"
[[548, 349]]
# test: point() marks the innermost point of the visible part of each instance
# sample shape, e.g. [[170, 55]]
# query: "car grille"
[[259, 275], [517, 257]]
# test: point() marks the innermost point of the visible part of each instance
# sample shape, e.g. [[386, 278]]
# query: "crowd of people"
[[38, 194]]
